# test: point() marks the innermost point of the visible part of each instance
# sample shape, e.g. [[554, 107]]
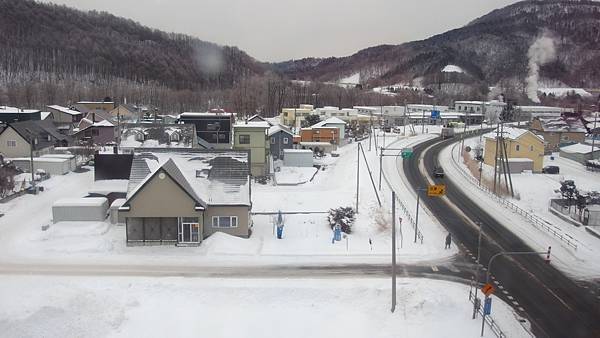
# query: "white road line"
[[521, 309], [510, 297], [434, 268]]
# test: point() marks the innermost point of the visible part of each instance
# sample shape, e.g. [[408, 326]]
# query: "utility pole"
[[405, 112], [476, 300], [417, 215], [32, 142], [380, 166], [393, 250], [594, 130], [357, 174]]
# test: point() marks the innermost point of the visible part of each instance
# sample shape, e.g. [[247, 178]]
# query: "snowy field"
[[534, 192], [306, 237], [211, 307]]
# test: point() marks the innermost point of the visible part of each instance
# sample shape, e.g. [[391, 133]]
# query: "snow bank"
[[294, 175]]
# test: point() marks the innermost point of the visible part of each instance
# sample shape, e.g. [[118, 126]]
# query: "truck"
[[447, 132]]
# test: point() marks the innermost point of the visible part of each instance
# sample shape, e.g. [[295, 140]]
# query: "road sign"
[[435, 114], [488, 289], [407, 152], [487, 306], [436, 190]]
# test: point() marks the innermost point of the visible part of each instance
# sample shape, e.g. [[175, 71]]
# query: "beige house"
[[253, 136], [520, 144], [16, 139], [66, 115], [126, 112], [182, 197], [293, 117], [559, 131]]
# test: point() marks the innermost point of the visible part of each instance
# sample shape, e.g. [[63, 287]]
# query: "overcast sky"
[[277, 30]]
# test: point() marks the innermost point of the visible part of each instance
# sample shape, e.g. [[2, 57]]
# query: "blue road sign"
[[337, 233], [435, 114], [487, 306]]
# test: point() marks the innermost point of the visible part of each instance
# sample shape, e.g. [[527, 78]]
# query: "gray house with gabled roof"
[[183, 196], [280, 138]]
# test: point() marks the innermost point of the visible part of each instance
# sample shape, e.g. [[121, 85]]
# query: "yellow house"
[[293, 117], [520, 144], [253, 136]]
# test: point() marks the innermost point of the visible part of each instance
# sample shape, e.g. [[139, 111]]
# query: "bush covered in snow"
[[343, 216]]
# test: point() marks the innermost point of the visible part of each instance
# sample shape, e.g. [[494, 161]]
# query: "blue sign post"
[[337, 233], [435, 114], [487, 306]]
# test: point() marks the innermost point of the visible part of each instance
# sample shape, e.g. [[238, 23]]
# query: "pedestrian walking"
[[371, 244], [448, 241]]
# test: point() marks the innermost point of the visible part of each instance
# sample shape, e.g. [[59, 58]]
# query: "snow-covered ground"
[[307, 236], [533, 193], [561, 92], [212, 307]]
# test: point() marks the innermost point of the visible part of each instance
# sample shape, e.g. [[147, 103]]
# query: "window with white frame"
[[224, 222], [286, 140], [244, 139], [518, 147], [11, 143]]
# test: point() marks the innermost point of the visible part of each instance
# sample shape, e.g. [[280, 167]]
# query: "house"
[[335, 123], [280, 138], [253, 136], [180, 197], [213, 128], [95, 130], [13, 114], [559, 131], [127, 112], [520, 144], [258, 118], [330, 135], [528, 113], [580, 152], [106, 105], [15, 140], [65, 115], [293, 117], [146, 135], [490, 110]]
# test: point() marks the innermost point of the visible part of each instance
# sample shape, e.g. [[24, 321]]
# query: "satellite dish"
[[468, 149]]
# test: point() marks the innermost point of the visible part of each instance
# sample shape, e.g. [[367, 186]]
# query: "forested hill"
[[40, 40], [490, 49]]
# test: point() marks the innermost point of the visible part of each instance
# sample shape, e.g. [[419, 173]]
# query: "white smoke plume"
[[540, 52]]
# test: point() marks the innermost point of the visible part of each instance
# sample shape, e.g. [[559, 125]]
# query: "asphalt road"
[[556, 305]]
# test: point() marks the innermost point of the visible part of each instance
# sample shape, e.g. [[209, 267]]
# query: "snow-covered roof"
[[331, 120], [65, 110], [94, 102], [297, 151], [560, 92], [277, 128], [15, 110], [452, 69], [44, 115], [563, 124], [214, 177], [579, 148], [142, 135], [509, 133], [211, 113], [252, 124], [81, 202]]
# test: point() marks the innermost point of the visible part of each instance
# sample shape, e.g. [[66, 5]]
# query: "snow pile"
[[104, 187], [452, 69], [224, 244], [294, 175]]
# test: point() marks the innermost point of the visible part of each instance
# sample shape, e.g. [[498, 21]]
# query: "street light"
[[504, 253]]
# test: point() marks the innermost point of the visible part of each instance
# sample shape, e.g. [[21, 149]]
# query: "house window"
[[530, 148], [224, 222], [244, 139], [518, 147], [285, 114], [95, 132], [286, 140], [272, 140], [11, 143]]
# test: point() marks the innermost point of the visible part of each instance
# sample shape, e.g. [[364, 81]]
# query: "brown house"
[[320, 134], [182, 197], [558, 131]]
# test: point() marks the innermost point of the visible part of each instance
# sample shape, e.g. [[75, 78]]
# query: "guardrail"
[[533, 219], [488, 319]]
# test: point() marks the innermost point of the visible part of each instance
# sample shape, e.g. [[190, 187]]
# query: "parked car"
[[551, 169], [447, 133], [438, 172]]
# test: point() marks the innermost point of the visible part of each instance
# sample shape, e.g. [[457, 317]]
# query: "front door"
[[189, 230]]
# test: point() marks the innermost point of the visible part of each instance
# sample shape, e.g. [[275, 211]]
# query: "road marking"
[[500, 287], [510, 297], [515, 303], [521, 309], [434, 268], [505, 292], [496, 282]]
